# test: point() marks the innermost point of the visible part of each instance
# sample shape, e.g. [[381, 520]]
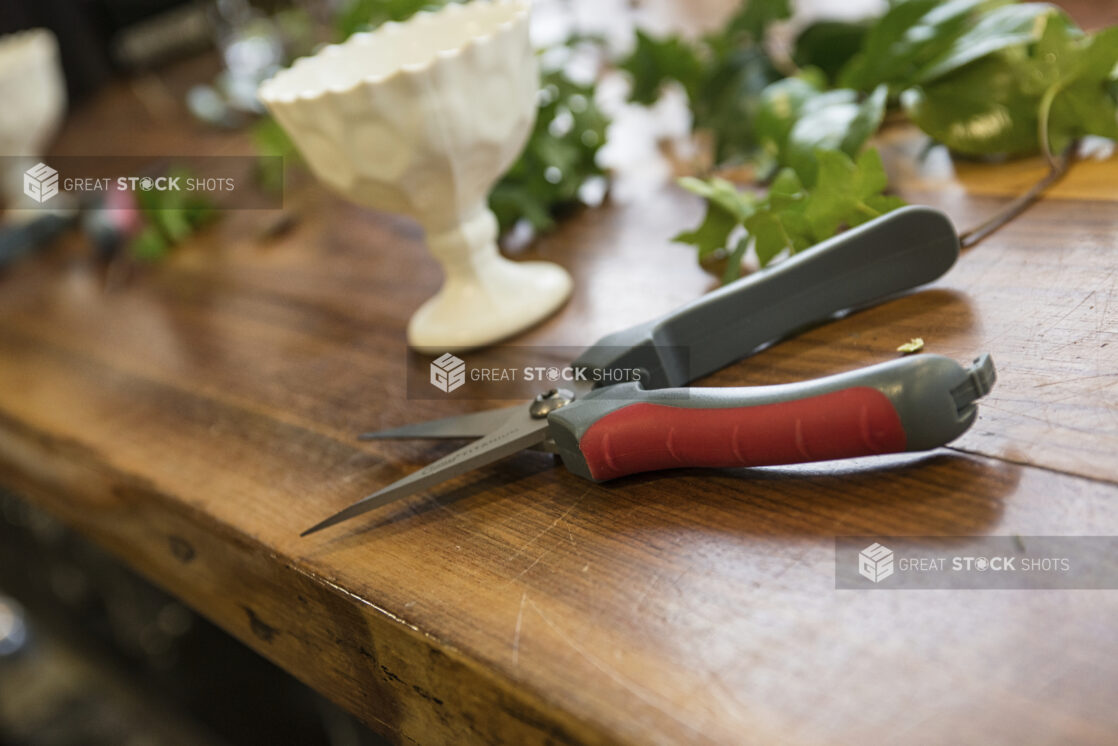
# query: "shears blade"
[[472, 425], [518, 431]]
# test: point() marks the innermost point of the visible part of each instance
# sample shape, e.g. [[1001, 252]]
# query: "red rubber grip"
[[640, 437]]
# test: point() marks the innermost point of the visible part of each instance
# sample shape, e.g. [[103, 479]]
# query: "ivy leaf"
[[832, 121], [1001, 28], [841, 193], [364, 15], [910, 36], [723, 75], [829, 46], [170, 216], [270, 139], [755, 16], [791, 217], [559, 158], [727, 208], [920, 41], [733, 262], [879, 204], [513, 201], [655, 61], [739, 205], [786, 191], [782, 104], [712, 234], [866, 121], [1075, 71], [1027, 98], [769, 235], [979, 110], [149, 245], [1082, 108], [728, 99]]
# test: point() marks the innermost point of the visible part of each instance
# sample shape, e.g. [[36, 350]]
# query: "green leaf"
[[754, 17], [920, 41], [170, 217], [1001, 28], [653, 62], [511, 202], [868, 118], [847, 193], [727, 101], [1009, 102], [870, 178], [790, 217], [174, 224], [834, 196], [781, 105], [1074, 72], [727, 208], [149, 244], [733, 263], [829, 45], [739, 205], [557, 160], [271, 139], [1082, 108], [786, 190], [910, 36], [723, 74], [712, 234], [979, 110], [879, 204], [769, 236], [365, 15], [832, 121]]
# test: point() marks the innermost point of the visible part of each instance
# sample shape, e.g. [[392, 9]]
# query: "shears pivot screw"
[[547, 402]]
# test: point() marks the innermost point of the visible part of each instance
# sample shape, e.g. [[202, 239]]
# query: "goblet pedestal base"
[[474, 311], [485, 297]]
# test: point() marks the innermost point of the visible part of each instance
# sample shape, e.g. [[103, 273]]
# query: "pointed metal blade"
[[472, 425], [520, 431]]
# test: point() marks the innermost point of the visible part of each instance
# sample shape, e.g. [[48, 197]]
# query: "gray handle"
[[898, 251]]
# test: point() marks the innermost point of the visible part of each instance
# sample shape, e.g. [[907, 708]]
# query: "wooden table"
[[195, 418]]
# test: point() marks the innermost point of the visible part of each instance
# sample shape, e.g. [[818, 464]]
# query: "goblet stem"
[[467, 249], [484, 297]]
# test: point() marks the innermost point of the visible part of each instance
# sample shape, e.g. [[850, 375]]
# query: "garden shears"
[[650, 420]]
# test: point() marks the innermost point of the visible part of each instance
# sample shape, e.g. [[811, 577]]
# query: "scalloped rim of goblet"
[[33, 38], [523, 9]]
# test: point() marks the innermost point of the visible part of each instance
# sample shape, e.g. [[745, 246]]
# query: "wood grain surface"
[[197, 415]]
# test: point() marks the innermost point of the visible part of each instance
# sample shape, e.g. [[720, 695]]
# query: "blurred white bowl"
[[32, 102]]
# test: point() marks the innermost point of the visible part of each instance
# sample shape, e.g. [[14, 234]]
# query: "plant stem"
[[1043, 115], [1059, 168], [866, 210]]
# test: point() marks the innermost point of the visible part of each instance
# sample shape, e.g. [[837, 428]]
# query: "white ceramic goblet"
[[32, 102], [421, 118]]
